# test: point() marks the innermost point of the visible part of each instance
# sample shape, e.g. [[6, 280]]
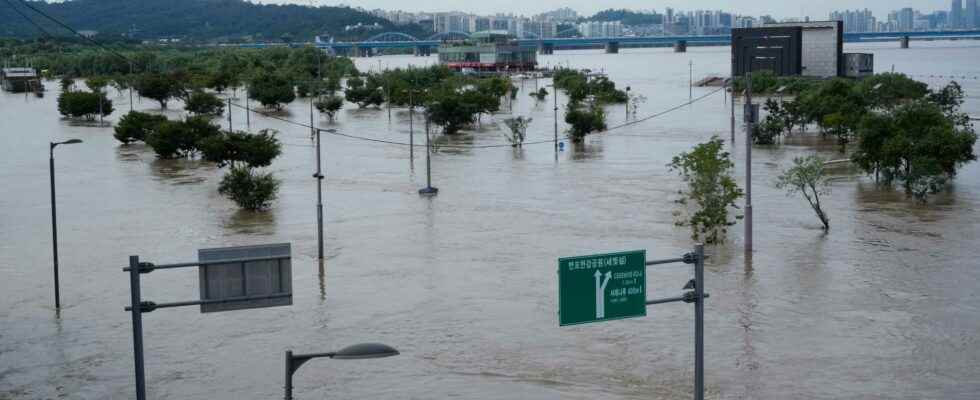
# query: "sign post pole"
[[605, 287], [134, 291], [699, 323]]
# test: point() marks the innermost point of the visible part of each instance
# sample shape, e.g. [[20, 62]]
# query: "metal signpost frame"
[[138, 307], [625, 268]]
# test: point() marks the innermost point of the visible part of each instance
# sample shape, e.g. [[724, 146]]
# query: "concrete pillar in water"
[[905, 42], [546, 48], [612, 47], [680, 46]]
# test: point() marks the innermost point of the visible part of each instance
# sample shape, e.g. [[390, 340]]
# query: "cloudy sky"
[[776, 8]]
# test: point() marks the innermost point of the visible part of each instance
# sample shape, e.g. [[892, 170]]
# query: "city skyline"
[[780, 9]]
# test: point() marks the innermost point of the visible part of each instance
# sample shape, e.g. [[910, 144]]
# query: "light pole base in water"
[[428, 191]]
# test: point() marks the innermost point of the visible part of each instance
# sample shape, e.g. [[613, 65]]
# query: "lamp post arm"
[[293, 362]]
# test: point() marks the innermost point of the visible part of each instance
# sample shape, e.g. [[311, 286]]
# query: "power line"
[[489, 146], [72, 30], [669, 110], [36, 25]]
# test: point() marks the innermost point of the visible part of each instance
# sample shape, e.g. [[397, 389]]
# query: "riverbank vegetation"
[[587, 94], [904, 132], [710, 191], [197, 136]]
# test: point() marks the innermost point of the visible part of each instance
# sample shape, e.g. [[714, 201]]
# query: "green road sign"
[[602, 287]]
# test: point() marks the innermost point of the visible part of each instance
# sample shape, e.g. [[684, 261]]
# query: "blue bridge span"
[[398, 40]]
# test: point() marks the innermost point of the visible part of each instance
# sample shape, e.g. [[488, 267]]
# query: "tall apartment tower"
[[956, 15], [970, 15]]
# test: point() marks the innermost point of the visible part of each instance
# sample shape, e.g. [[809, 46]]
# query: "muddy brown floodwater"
[[464, 284]]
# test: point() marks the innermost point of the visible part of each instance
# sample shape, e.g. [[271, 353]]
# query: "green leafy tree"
[[808, 177], [583, 120], [711, 190], [244, 153], [772, 126], [329, 105], [159, 87], [136, 126], [451, 110], [97, 83], [173, 139], [241, 149], [204, 104], [249, 189], [363, 94], [272, 90], [888, 90], [88, 105], [917, 144]]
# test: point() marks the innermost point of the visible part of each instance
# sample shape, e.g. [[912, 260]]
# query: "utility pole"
[[627, 103], [690, 80], [131, 83], [428, 190], [731, 86], [411, 128], [319, 200], [555, 95], [229, 115], [248, 110], [749, 126]]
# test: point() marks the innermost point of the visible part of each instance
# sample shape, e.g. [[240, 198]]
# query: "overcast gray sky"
[[777, 8]]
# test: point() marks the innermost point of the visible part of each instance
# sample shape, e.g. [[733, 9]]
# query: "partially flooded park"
[[883, 305]]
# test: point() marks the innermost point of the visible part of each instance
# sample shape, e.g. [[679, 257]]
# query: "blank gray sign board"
[[245, 279]]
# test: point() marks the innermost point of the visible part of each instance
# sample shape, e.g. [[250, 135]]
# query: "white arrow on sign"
[[600, 293]]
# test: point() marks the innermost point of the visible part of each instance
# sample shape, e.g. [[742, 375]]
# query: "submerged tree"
[[244, 153], [203, 103], [81, 104], [329, 105], [807, 177], [271, 90], [159, 87], [583, 120], [518, 130], [711, 190], [917, 144], [137, 126]]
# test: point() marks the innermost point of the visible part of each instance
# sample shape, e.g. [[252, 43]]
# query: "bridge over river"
[[398, 40]]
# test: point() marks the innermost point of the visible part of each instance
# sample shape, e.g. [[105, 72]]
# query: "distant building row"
[[964, 15]]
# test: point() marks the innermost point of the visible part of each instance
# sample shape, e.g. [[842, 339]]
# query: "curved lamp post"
[[54, 220], [356, 352]]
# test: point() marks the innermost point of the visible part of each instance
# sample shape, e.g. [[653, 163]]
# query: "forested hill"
[[208, 20], [629, 18]]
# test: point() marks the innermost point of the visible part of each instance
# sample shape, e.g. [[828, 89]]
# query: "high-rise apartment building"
[[956, 15], [855, 21], [906, 19], [970, 15]]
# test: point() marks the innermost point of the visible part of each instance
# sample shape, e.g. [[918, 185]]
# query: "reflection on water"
[[179, 171], [464, 283], [247, 222]]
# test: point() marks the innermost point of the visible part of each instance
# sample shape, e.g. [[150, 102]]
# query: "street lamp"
[[54, 220], [361, 351]]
